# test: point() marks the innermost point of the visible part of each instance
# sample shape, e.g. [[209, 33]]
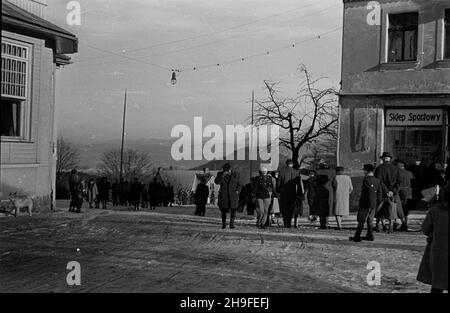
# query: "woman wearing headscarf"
[[433, 269], [228, 199]]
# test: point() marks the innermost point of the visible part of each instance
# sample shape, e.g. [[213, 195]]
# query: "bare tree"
[[67, 156], [305, 119], [135, 164]]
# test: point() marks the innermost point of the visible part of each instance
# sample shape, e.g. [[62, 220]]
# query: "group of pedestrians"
[[388, 194], [135, 194]]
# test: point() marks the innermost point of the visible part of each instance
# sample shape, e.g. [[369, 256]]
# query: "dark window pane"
[[408, 142], [395, 46], [10, 118], [410, 45], [403, 37], [411, 20]]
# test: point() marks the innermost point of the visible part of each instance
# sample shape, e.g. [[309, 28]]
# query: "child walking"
[[371, 194]]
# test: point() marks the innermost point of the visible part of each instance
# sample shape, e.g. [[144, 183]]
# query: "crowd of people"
[[395, 191], [388, 193], [135, 194]]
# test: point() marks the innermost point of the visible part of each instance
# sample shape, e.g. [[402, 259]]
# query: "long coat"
[[290, 188], [342, 186], [229, 191], [405, 191], [321, 204], [201, 194], [389, 175], [371, 193], [433, 269]]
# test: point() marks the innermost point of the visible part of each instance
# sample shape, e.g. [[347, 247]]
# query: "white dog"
[[20, 202]]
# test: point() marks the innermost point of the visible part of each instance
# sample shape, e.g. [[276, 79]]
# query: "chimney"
[[37, 7]]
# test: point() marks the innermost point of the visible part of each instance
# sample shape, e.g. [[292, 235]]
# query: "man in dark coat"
[[228, 199], [309, 188], [371, 196], [136, 190], [405, 193], [74, 182], [201, 197], [418, 171], [154, 193], [246, 198], [115, 188], [321, 201], [389, 176], [164, 194], [122, 192], [103, 192], [290, 190]]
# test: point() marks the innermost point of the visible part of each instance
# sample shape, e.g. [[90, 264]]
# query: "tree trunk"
[[295, 157]]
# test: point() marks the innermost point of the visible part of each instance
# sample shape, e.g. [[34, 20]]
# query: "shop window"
[[403, 30], [407, 143], [14, 89], [447, 34]]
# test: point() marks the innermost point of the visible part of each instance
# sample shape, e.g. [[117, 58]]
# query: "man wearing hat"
[[389, 176], [228, 199], [405, 193], [290, 189], [371, 196]]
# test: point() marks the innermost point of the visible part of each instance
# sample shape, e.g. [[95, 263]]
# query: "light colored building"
[[395, 88], [32, 51]]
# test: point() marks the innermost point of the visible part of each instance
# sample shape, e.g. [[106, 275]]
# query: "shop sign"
[[414, 117]]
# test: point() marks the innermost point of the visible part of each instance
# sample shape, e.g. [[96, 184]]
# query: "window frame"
[[404, 30], [445, 31], [25, 101]]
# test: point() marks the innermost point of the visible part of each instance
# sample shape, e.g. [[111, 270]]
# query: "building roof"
[[18, 20]]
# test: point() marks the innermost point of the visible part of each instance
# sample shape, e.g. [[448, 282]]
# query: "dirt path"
[[165, 252]]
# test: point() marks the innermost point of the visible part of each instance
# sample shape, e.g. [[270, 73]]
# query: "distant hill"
[[160, 154]]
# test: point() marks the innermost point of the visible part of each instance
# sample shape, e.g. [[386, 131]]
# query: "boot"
[[357, 236], [224, 220], [232, 218], [369, 235], [295, 222]]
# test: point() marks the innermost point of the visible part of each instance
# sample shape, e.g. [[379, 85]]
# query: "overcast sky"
[[90, 92]]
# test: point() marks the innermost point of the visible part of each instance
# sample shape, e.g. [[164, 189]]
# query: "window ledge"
[[14, 140], [443, 63], [18, 165], [399, 66]]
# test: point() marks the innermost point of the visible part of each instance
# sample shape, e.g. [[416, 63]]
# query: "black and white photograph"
[[225, 152]]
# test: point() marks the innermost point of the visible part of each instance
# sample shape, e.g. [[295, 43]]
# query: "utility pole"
[[123, 134], [251, 137]]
